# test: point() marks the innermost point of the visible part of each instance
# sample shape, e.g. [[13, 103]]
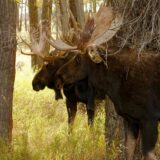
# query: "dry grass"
[[40, 129]]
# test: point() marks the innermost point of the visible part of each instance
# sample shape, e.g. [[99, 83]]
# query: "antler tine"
[[28, 54], [38, 41], [44, 58], [33, 52], [59, 44], [87, 31], [35, 47], [26, 43]]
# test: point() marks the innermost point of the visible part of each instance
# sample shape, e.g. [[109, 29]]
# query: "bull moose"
[[132, 82], [75, 92]]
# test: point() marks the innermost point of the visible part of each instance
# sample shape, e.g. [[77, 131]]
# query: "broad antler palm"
[[98, 29]]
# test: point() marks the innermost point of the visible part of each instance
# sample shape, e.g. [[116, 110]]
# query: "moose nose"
[[36, 88]]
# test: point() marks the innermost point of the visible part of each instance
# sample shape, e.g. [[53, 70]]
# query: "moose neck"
[[108, 77]]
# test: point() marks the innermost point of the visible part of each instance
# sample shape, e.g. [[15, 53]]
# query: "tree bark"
[[114, 132], [26, 16], [94, 6], [33, 23], [21, 17], [46, 10], [64, 16], [8, 16], [76, 6], [46, 15], [18, 16], [33, 14]]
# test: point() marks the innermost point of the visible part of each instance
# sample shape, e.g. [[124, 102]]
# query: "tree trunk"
[[76, 6], [33, 14], [57, 21], [8, 16], [91, 5], [21, 17], [26, 15], [46, 10], [114, 133], [33, 22], [64, 16], [18, 17], [94, 6], [46, 15]]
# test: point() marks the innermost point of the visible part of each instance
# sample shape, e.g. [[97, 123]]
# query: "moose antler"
[[97, 30], [38, 42], [86, 34], [106, 26], [59, 44]]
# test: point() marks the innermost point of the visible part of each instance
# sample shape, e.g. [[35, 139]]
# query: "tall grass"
[[40, 130]]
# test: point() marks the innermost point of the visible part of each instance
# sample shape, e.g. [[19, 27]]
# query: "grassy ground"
[[40, 129]]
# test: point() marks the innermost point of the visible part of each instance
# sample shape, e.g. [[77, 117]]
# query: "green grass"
[[40, 130]]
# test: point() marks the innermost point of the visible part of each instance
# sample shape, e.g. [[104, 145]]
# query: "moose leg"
[[149, 134], [71, 109], [58, 94], [90, 113], [91, 105], [131, 136]]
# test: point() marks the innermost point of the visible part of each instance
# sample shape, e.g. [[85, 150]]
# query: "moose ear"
[[94, 55]]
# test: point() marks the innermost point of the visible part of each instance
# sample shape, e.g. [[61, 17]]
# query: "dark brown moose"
[[132, 82], [75, 92], [129, 79]]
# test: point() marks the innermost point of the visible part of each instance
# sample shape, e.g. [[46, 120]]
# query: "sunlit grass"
[[40, 130]]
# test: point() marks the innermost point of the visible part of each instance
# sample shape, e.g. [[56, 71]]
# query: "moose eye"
[[78, 59]]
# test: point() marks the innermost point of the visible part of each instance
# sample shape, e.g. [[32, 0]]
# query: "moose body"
[[132, 82], [75, 92]]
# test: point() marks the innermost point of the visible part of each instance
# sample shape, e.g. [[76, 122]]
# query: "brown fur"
[[76, 92], [132, 81]]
